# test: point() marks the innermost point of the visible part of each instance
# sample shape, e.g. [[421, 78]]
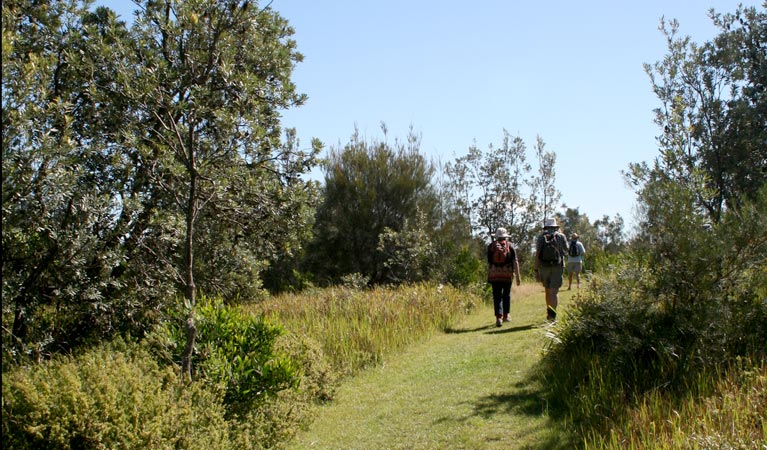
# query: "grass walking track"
[[466, 388]]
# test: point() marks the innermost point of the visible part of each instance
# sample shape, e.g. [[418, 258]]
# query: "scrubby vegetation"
[[153, 298], [655, 348], [255, 380], [356, 328]]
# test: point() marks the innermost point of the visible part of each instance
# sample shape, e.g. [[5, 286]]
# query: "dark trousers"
[[501, 298]]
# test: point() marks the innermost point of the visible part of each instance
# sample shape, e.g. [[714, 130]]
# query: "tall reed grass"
[[356, 328], [724, 409]]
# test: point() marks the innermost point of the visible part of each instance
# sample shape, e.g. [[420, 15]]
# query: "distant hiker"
[[502, 268], [575, 252], [550, 251]]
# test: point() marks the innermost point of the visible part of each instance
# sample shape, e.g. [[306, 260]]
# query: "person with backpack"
[[575, 252], [502, 267], [550, 251]]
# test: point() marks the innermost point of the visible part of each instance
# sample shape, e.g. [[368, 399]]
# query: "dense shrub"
[[119, 396], [466, 268], [234, 353], [670, 313], [109, 397]]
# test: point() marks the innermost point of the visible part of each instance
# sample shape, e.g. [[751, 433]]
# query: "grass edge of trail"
[[465, 388]]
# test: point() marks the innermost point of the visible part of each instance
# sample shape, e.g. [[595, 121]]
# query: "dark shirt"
[[561, 241]]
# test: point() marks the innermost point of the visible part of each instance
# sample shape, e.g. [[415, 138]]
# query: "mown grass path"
[[463, 389]]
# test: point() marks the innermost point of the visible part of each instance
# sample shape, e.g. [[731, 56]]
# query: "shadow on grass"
[[489, 329], [511, 329], [523, 399], [451, 330]]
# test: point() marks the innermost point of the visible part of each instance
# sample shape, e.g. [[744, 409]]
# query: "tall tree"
[[713, 152], [214, 77], [713, 110], [62, 175], [370, 187], [546, 181], [494, 188], [126, 152]]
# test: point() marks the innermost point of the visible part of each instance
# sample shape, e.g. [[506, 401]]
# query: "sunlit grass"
[[729, 411], [356, 328], [464, 388]]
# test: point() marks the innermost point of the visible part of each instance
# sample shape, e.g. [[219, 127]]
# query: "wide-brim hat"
[[550, 223], [501, 233]]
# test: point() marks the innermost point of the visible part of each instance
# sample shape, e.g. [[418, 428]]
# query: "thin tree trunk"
[[191, 212]]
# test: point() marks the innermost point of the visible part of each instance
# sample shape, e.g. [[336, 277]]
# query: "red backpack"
[[501, 250]]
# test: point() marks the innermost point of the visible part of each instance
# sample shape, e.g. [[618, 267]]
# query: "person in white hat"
[[550, 252], [502, 267], [575, 252]]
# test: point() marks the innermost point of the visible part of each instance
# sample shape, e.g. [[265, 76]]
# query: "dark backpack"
[[574, 248], [550, 253], [501, 250]]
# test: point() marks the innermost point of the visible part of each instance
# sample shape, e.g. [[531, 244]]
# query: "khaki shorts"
[[551, 277], [574, 267]]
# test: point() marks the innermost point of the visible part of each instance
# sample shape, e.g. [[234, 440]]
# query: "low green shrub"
[[466, 268], [618, 343], [234, 353], [113, 396], [119, 396]]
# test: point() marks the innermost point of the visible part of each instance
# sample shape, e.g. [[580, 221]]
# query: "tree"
[[370, 188], [214, 77], [713, 151], [494, 189], [63, 177], [713, 111], [136, 159], [609, 233], [408, 255], [545, 183]]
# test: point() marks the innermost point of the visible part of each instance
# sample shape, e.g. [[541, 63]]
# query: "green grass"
[[357, 328], [728, 410], [464, 388]]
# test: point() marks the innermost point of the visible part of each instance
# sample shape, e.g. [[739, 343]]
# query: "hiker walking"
[[502, 267], [575, 252], [550, 251]]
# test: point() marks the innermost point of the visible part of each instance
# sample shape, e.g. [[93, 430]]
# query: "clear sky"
[[460, 73]]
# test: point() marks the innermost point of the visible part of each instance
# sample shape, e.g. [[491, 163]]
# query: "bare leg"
[[552, 300]]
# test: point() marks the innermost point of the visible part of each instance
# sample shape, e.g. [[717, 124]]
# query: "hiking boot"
[[498, 322], [551, 315]]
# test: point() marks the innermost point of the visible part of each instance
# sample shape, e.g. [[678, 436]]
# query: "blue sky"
[[460, 73]]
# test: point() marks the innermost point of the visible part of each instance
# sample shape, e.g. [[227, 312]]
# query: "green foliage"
[[356, 328], [235, 353], [681, 305], [135, 159], [689, 297], [65, 234], [495, 188], [113, 396], [466, 268], [598, 261], [116, 396], [713, 109], [725, 409], [409, 256], [603, 239], [371, 187]]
